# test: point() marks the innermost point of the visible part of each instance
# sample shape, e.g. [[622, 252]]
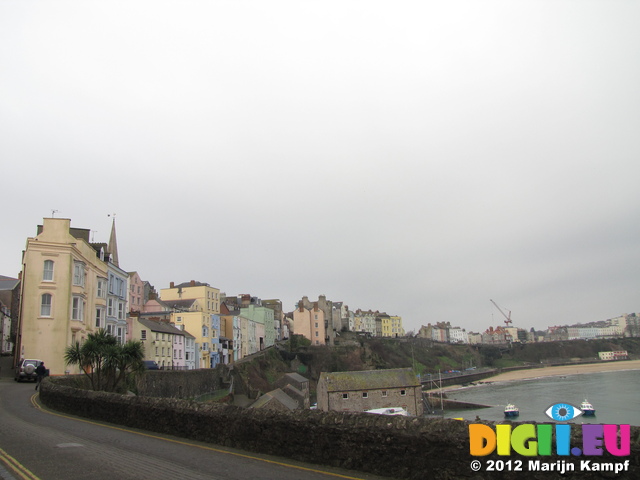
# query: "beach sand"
[[559, 371], [566, 370]]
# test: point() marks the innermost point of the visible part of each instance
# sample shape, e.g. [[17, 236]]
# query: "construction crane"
[[507, 317]]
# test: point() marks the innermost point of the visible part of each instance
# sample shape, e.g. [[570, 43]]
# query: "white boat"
[[389, 411], [587, 409], [511, 410]]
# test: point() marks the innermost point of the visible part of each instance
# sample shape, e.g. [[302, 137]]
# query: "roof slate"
[[277, 395], [370, 379], [160, 327]]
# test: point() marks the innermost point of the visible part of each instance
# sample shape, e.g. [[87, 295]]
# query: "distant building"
[[391, 326], [310, 323], [365, 321], [136, 287], [366, 390], [325, 332], [619, 355], [497, 336]]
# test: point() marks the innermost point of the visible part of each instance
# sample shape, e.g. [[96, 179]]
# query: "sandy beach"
[[558, 371], [566, 370]]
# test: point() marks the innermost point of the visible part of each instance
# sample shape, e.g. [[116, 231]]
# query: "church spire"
[[112, 248]]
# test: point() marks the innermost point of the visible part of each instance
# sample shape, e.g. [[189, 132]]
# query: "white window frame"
[[101, 288], [77, 309], [46, 307], [78, 274], [47, 273], [100, 317]]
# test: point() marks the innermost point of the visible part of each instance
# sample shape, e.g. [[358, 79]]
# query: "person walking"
[[41, 372]]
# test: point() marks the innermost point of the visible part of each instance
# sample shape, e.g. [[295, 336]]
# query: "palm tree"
[[104, 360]]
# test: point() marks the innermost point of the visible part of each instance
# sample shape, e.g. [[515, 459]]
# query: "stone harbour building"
[[369, 389]]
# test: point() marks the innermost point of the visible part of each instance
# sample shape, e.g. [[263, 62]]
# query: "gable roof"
[[275, 395], [183, 304], [160, 327], [7, 283], [296, 377], [370, 379]]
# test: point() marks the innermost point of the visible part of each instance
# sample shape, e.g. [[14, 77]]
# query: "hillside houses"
[[70, 287]]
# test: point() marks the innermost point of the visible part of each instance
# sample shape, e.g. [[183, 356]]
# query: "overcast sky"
[[418, 158]]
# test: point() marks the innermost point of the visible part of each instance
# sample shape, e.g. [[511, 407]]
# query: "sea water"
[[615, 396]]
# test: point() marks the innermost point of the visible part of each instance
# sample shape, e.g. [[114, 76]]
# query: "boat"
[[511, 410], [587, 409], [389, 411]]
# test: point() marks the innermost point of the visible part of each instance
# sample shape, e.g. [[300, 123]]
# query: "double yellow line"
[[16, 467]]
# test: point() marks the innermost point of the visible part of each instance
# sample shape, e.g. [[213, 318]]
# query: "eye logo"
[[563, 412]]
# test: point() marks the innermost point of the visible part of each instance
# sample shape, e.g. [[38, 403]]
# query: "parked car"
[[151, 365], [26, 370]]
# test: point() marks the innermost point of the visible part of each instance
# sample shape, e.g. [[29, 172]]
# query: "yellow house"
[[194, 303], [63, 292], [392, 326]]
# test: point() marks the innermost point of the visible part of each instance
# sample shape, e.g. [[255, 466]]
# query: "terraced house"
[[193, 306]]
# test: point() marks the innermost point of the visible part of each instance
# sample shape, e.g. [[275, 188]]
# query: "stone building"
[[366, 390], [297, 387]]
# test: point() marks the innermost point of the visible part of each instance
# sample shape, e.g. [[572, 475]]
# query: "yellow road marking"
[[16, 466], [297, 467]]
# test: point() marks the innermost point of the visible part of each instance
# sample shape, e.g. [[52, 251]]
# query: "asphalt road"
[[36, 443]]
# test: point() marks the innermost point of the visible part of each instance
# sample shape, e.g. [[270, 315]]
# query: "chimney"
[[193, 283], [301, 306], [315, 306], [172, 285]]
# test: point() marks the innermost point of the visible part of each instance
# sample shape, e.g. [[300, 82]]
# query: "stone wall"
[[397, 447], [180, 384]]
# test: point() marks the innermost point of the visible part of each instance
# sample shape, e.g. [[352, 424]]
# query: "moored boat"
[[511, 410], [587, 409], [389, 411]]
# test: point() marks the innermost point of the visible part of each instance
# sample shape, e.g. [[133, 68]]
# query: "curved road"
[[36, 443]]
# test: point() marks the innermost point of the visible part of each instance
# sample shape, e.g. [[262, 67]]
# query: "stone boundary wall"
[[180, 383], [392, 446]]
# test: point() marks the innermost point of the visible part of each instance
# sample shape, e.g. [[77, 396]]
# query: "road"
[[36, 443]]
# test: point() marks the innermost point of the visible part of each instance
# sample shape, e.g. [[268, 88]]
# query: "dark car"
[[26, 370], [151, 365]]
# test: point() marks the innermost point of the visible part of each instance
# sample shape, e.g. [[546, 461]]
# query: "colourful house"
[[193, 304]]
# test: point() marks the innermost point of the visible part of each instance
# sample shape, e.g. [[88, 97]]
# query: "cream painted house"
[[64, 292], [163, 343]]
